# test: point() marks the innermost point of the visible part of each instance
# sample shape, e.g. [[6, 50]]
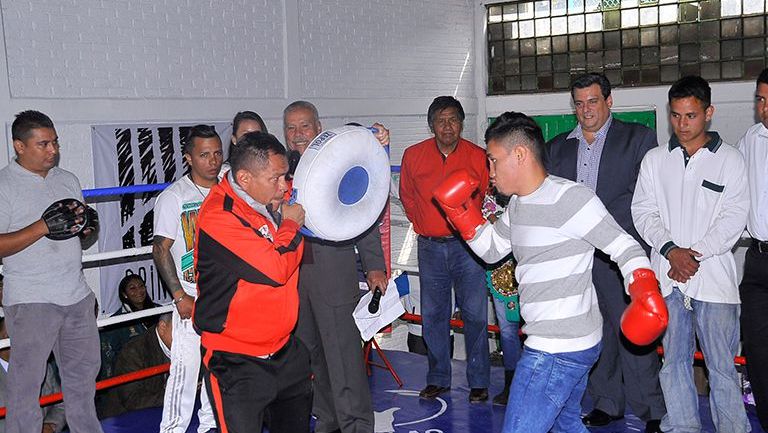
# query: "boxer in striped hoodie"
[[552, 226]]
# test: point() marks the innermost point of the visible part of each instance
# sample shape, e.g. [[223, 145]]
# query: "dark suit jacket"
[[138, 353], [625, 147]]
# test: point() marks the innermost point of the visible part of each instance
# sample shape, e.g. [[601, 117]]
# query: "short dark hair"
[[585, 80], [763, 77], [199, 131], [691, 85], [253, 151], [518, 128], [301, 105], [441, 103], [247, 115], [28, 120]]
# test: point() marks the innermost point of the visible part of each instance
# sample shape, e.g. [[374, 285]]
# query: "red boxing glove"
[[646, 317], [454, 196]]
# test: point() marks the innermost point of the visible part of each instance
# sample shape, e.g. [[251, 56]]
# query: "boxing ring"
[[135, 253]]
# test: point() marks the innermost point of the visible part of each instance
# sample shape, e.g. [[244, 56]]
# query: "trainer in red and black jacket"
[[247, 276]]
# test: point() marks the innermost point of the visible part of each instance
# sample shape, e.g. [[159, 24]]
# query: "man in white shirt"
[[173, 248], [754, 285], [690, 205]]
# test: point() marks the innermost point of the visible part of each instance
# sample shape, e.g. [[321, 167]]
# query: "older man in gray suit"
[[604, 154], [328, 293]]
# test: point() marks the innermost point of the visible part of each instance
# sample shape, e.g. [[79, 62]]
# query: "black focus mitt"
[[91, 224], [65, 219]]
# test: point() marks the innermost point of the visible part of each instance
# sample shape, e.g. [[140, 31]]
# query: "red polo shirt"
[[423, 168]]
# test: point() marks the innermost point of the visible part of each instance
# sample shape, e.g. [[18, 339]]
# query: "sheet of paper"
[[390, 308]]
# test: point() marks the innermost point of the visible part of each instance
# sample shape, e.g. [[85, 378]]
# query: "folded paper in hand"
[[390, 308]]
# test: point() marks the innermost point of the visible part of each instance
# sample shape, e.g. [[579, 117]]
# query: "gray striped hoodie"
[[553, 233]]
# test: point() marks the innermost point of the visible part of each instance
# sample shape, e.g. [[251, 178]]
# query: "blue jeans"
[[510, 340], [547, 390], [443, 265], [717, 327]]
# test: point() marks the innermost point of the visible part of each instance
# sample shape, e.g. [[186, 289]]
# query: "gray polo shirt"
[[47, 271]]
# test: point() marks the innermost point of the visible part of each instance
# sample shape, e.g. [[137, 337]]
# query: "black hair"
[[247, 115], [441, 103], [585, 80], [199, 131], [123, 286], [519, 129], [253, 151], [763, 77], [28, 120], [691, 85]]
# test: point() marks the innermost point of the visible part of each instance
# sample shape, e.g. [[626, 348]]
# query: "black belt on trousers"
[[760, 246], [441, 239]]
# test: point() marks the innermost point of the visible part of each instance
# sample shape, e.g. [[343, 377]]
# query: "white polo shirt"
[[754, 146], [701, 205]]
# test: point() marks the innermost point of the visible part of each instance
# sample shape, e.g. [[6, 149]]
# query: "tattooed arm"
[[161, 253]]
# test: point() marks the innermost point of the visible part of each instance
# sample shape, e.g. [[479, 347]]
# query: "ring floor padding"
[[401, 410]]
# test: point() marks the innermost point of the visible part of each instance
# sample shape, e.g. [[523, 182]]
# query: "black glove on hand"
[[91, 222], [63, 219]]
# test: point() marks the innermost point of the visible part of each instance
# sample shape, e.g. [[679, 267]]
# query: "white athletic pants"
[[181, 389]]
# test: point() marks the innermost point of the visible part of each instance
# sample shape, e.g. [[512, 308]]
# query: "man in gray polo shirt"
[[47, 303]]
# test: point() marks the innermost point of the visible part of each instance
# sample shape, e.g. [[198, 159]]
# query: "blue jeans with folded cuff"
[[442, 265], [547, 390], [717, 327]]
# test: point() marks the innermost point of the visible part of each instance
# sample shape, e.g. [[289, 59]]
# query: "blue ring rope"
[[138, 189], [120, 190]]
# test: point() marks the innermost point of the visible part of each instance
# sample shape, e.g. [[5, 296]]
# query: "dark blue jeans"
[[510, 340], [547, 390], [442, 266]]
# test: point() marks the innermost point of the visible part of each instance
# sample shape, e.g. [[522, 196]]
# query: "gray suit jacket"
[[330, 268]]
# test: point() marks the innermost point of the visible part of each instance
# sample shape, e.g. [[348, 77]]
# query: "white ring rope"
[[117, 254], [107, 321]]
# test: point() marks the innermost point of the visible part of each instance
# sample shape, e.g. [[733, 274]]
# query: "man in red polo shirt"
[[444, 261]]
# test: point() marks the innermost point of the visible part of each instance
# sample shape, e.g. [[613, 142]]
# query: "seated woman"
[[132, 291]]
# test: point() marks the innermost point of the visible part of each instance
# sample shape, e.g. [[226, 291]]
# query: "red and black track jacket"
[[247, 276]]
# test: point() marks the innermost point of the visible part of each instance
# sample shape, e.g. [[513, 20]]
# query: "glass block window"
[[540, 45]]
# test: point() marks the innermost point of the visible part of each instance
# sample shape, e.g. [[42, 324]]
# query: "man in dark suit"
[[328, 293], [149, 349], [605, 154]]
